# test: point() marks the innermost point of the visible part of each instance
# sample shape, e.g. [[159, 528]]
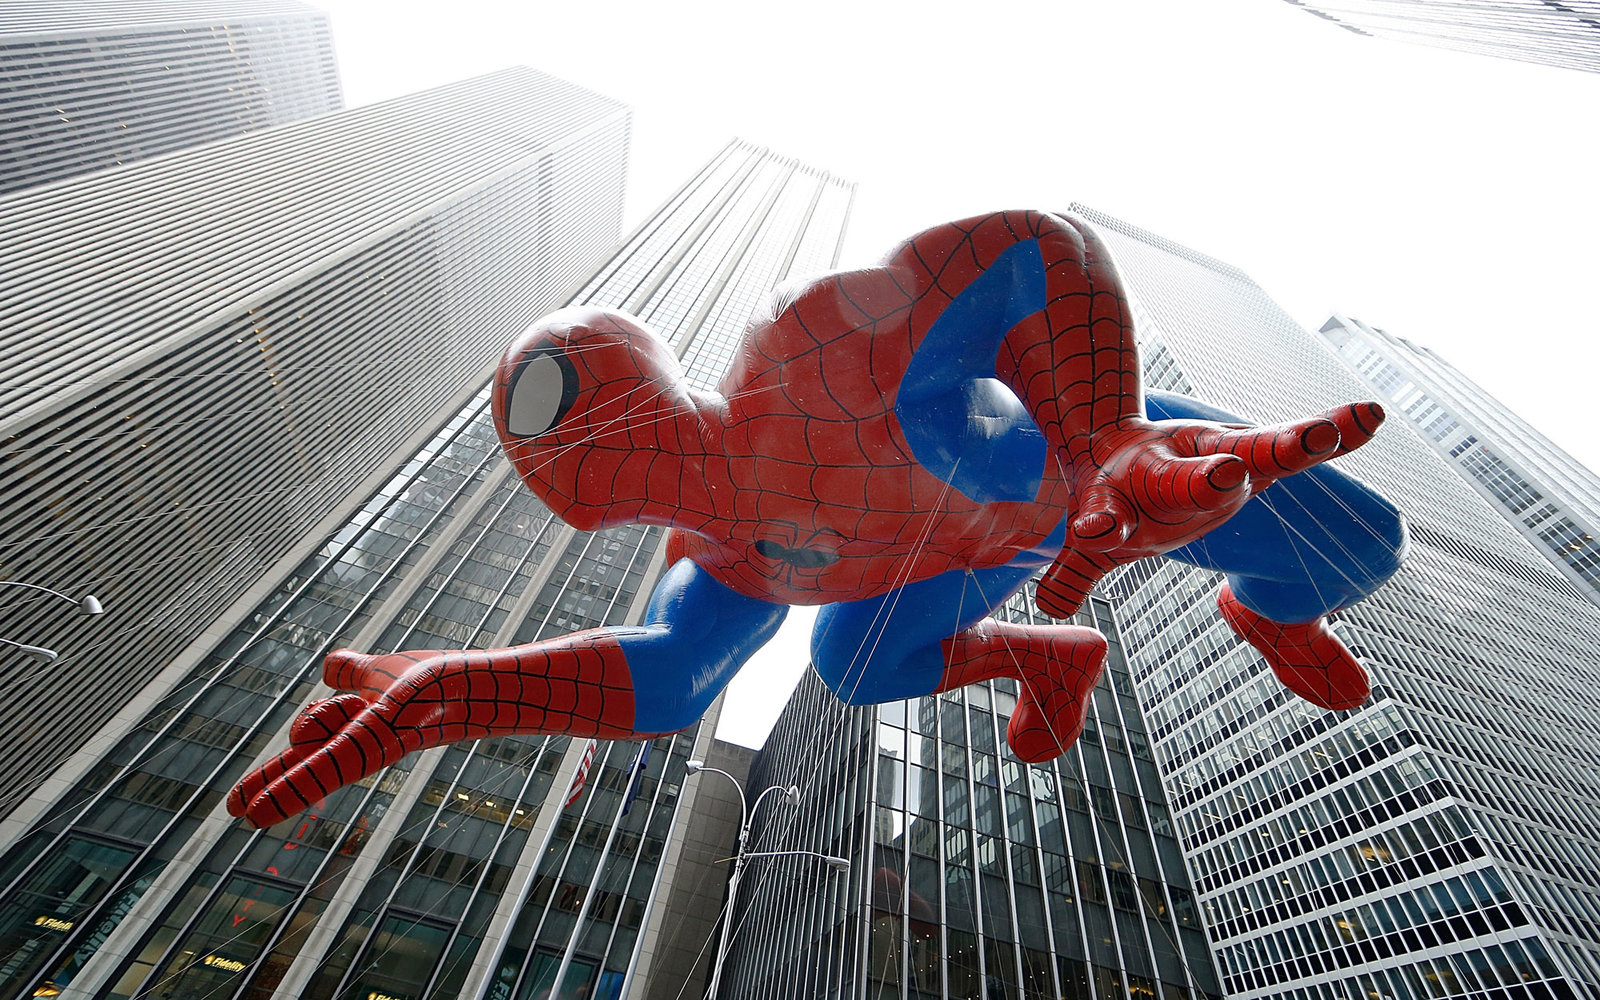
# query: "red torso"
[[812, 489]]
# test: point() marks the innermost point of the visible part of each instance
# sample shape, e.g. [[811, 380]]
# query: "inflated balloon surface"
[[905, 445]]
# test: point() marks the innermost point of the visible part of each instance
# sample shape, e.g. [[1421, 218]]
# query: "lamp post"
[[746, 814], [88, 604]]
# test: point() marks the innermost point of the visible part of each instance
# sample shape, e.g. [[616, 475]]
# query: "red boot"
[[1056, 667], [1308, 659]]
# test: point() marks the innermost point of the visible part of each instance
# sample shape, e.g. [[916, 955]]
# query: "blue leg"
[[696, 636], [887, 648]]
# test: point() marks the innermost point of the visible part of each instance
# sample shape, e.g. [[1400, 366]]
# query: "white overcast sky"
[[1447, 198]]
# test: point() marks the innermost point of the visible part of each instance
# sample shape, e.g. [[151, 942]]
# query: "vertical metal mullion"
[[1072, 867], [869, 850], [974, 872], [600, 864], [577, 560], [801, 225], [905, 854], [941, 850], [975, 864], [533, 875], [633, 869], [383, 908], [863, 737], [1031, 612], [528, 886], [1005, 834], [1102, 839], [655, 886], [1166, 878], [561, 869], [489, 488], [667, 262], [635, 241], [735, 255], [423, 568], [488, 863]]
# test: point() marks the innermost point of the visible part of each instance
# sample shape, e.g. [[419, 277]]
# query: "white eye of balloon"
[[539, 395]]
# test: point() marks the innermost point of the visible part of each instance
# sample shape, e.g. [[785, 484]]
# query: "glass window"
[[52, 901], [574, 985], [226, 940], [982, 729], [1074, 978], [963, 965]]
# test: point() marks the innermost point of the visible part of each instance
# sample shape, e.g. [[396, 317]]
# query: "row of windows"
[[1351, 938], [1510, 487], [1512, 968], [1306, 768]]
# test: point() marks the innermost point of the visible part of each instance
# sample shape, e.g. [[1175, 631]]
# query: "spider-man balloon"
[[905, 445]]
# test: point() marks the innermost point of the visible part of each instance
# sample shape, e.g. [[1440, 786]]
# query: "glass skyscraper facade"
[[213, 352], [1547, 495], [1565, 34], [86, 86], [457, 872], [1440, 841], [973, 875]]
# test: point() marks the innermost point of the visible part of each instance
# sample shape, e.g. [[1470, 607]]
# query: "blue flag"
[[639, 765]]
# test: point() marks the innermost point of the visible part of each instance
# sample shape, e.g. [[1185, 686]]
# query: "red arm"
[[1133, 487], [1073, 361]]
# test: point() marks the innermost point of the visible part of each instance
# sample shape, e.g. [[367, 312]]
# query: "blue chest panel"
[[964, 425]]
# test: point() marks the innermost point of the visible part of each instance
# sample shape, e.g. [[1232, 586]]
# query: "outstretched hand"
[[398, 708], [403, 702], [1147, 487]]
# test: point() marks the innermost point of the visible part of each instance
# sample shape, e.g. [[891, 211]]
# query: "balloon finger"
[[1188, 485], [1279, 450], [368, 675], [1104, 519], [320, 721], [365, 745], [254, 783], [297, 789], [1357, 422]]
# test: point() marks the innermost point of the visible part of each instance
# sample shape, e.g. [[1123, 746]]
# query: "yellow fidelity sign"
[[52, 923]]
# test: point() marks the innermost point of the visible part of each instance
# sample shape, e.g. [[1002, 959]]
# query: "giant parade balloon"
[[905, 445]]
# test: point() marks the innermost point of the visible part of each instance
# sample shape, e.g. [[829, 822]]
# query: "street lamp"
[[88, 604], [792, 793]]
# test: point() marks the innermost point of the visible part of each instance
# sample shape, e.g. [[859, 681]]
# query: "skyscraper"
[[84, 86], [210, 352], [1438, 842], [1565, 34], [1548, 496], [458, 872], [972, 873]]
